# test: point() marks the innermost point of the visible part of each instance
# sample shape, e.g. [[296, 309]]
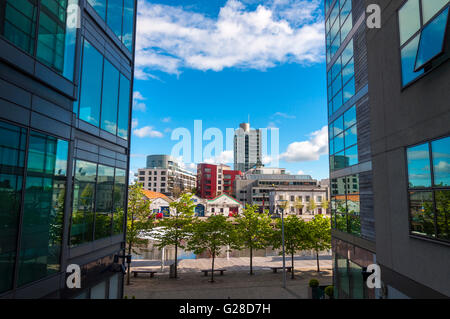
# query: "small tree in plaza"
[[176, 229], [253, 231], [320, 235], [296, 236], [299, 205], [312, 205], [138, 220], [211, 235], [325, 205]]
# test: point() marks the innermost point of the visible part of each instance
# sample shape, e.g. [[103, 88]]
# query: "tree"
[[312, 205], [325, 205], [176, 229], [299, 205], [137, 219], [320, 235], [296, 236], [211, 235], [253, 231]]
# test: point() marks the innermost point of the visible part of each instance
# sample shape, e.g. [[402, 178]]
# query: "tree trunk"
[[212, 268], [251, 261], [317, 258], [176, 260], [292, 271]]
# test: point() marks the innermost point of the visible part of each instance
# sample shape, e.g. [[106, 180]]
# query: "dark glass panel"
[[43, 213], [443, 214], [20, 23], [419, 173], [124, 107], [110, 97], [343, 287], [91, 84], [12, 146], [104, 201], [408, 54], [83, 203], [441, 161], [340, 161], [421, 212], [114, 16], [432, 40], [357, 282], [119, 201]]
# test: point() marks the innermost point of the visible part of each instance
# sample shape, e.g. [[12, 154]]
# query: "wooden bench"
[[151, 272], [205, 271], [288, 268]]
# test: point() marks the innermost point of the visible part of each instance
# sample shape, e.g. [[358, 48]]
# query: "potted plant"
[[314, 290], [329, 291]]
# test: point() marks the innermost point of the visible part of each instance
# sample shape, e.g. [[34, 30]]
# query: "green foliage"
[[329, 291], [312, 205], [298, 204], [253, 231], [320, 235], [325, 204], [313, 283]]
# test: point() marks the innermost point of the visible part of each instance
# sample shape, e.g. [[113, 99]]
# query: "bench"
[[288, 268], [205, 271], [151, 272]]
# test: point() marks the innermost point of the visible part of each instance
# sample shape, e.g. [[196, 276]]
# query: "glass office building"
[[352, 219], [66, 77]]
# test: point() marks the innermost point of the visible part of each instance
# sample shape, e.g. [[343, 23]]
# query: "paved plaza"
[[236, 283]]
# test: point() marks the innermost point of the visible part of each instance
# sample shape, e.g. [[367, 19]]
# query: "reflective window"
[[114, 287], [124, 107], [114, 16], [422, 26], [128, 24], [429, 190], [104, 201], [57, 37], [20, 23], [12, 161], [83, 202], [345, 201], [99, 291], [42, 224], [338, 26], [119, 199], [91, 85], [99, 6], [110, 98]]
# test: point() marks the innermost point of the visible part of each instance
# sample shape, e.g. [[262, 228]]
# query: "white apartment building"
[[247, 148], [163, 174]]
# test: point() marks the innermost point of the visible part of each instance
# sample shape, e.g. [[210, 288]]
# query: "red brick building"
[[214, 180]]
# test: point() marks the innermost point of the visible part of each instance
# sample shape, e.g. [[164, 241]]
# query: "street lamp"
[[281, 204]]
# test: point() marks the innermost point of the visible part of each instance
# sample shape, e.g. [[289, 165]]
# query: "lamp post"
[[281, 204]]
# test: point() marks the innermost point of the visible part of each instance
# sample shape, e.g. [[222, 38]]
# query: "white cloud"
[[137, 101], [300, 172], [147, 131], [226, 157], [166, 119], [309, 150], [134, 123], [284, 115], [276, 31]]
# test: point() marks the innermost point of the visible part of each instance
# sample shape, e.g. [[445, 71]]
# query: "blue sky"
[[221, 61]]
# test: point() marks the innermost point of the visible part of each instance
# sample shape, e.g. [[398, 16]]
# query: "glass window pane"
[[350, 117], [408, 54], [351, 155], [57, 37], [443, 213], [110, 98], [340, 161], [422, 216], [419, 174], [347, 54], [124, 107], [114, 16], [432, 40], [348, 72], [339, 143], [128, 24], [431, 7], [119, 201], [409, 20], [351, 137], [98, 291], [99, 6], [20, 23], [441, 161], [341, 221], [114, 287], [337, 85], [357, 281], [349, 90], [104, 201], [337, 102], [347, 27], [12, 144], [83, 202], [91, 85], [43, 213]]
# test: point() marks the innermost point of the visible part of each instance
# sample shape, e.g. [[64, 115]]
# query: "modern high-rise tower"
[[66, 78], [247, 148]]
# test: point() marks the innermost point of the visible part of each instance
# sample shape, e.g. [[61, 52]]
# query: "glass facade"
[[105, 94], [345, 204], [348, 278], [429, 189], [42, 208], [119, 16], [338, 25], [98, 202], [56, 32], [422, 28]]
